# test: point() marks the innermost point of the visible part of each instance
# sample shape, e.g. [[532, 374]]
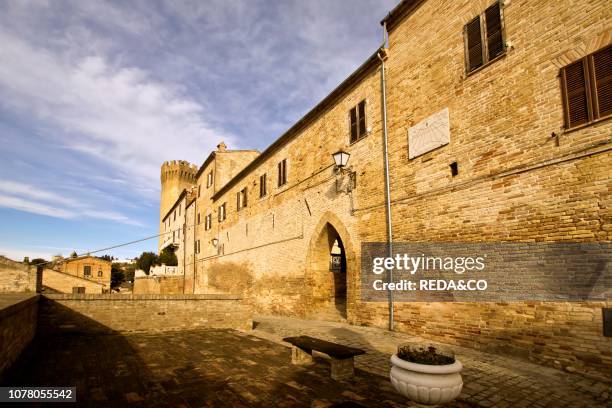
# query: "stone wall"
[[516, 181], [64, 282], [164, 285], [18, 316], [16, 276], [521, 178], [144, 312]]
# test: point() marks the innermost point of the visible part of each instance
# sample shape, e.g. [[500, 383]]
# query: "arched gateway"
[[330, 270]]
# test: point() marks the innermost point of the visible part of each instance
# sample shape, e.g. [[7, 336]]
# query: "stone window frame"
[[208, 222], [87, 270]]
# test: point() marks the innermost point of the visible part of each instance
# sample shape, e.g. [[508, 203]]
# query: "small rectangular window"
[[358, 121], [484, 38], [586, 87], [282, 173], [100, 273], [208, 222], [198, 219], [222, 214], [241, 199], [199, 190], [197, 246], [87, 270], [262, 185], [209, 179], [174, 215]]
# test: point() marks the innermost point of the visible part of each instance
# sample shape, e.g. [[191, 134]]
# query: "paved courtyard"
[[227, 368], [489, 380]]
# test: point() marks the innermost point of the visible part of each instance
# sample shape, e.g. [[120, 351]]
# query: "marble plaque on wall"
[[430, 133]]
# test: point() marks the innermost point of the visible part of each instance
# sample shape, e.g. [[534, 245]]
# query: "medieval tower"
[[176, 176]]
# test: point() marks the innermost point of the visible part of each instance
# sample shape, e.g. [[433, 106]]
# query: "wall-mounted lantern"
[[341, 167], [341, 159]]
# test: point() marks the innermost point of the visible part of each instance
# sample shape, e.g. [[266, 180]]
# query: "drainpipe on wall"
[[382, 57]]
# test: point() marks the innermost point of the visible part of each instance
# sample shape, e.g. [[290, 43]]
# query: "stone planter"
[[426, 384]]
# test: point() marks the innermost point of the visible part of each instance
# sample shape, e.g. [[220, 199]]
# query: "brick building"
[[518, 96], [83, 274]]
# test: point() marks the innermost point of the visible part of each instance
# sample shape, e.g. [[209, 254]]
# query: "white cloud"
[[28, 198], [118, 114], [22, 204]]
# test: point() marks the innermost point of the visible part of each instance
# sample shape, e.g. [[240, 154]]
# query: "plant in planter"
[[426, 374]]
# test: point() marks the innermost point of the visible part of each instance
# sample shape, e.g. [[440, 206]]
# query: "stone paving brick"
[[199, 368], [490, 380]]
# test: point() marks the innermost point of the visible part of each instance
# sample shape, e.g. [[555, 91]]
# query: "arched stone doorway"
[[329, 270]]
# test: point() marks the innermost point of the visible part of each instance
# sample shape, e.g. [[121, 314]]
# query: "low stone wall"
[[16, 276], [163, 285], [118, 312], [564, 335], [64, 282], [18, 315]]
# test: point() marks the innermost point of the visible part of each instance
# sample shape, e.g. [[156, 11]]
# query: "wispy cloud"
[[119, 115], [24, 197], [94, 96]]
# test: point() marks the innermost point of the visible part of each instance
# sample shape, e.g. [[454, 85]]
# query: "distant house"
[[84, 274]]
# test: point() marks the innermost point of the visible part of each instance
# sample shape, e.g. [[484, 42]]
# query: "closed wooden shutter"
[[279, 174], [495, 45], [575, 92], [602, 67], [362, 119], [353, 115], [474, 44]]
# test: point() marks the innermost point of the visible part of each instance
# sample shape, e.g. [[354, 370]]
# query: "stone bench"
[[342, 357]]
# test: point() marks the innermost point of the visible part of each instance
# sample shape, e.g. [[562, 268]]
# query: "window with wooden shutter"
[[282, 172], [602, 73], [357, 116], [484, 38], [353, 115], [495, 44], [586, 87], [262, 185], [241, 199], [576, 101], [474, 44]]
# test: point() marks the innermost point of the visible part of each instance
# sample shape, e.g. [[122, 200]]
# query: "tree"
[[167, 257], [107, 258], [129, 272], [117, 275], [74, 254], [146, 260]]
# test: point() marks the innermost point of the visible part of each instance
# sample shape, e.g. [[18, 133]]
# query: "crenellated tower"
[[176, 175]]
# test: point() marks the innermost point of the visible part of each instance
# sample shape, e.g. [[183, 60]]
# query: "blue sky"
[[95, 95]]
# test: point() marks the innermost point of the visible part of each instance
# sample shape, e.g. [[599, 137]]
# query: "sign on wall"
[[430, 133]]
